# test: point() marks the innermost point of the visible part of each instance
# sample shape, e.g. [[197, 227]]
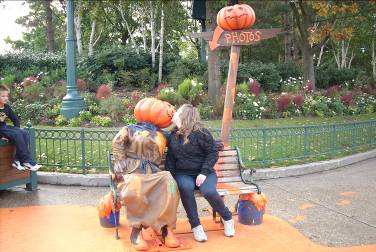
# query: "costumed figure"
[[150, 195]]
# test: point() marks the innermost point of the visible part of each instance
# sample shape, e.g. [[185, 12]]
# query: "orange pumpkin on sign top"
[[154, 111], [236, 17]]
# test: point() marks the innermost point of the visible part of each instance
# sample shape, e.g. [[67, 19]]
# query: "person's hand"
[[200, 179], [5, 139]]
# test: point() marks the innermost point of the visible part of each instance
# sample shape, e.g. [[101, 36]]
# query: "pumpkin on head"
[[154, 111], [236, 17]]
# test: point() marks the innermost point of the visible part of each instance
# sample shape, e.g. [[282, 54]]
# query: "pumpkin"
[[106, 204], [236, 17], [154, 111], [258, 200]]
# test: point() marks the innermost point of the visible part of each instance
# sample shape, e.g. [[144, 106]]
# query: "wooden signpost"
[[234, 16]]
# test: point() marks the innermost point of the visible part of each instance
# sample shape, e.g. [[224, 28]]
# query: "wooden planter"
[[10, 176]]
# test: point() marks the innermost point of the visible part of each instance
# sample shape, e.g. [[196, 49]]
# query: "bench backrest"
[[227, 166]]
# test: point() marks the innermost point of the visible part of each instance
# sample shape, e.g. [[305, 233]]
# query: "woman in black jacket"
[[191, 157]]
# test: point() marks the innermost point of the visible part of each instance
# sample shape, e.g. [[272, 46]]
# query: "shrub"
[[329, 75], [75, 122], [247, 107], [243, 88], [128, 119], [85, 116], [283, 102], [33, 93], [292, 84], [28, 81], [254, 87], [288, 70], [205, 110], [103, 92], [179, 70], [81, 85], [61, 121], [8, 80], [298, 100], [333, 91], [266, 74], [336, 106], [169, 95], [54, 111], [347, 98], [103, 121], [113, 107], [191, 90]]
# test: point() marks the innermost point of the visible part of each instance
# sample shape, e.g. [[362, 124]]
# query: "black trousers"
[[20, 138]]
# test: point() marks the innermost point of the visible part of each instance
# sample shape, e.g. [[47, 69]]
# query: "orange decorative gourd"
[[236, 17], [154, 111], [258, 200], [106, 204]]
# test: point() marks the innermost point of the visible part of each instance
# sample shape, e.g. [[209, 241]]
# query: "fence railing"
[[85, 150]]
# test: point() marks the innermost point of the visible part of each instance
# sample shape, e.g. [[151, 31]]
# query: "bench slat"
[[229, 179], [228, 160], [227, 173], [227, 153], [225, 167]]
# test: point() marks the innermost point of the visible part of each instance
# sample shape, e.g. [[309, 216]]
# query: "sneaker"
[[199, 234], [16, 164], [32, 167], [229, 228]]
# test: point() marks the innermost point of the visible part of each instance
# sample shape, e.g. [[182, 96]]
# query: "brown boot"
[[168, 237], [138, 241]]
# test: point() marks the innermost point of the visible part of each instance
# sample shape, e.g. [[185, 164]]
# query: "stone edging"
[[261, 174]]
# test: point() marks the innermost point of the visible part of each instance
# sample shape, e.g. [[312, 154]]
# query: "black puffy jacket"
[[198, 156]]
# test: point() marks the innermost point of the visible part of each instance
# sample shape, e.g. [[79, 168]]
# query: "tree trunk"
[[152, 24], [308, 65], [50, 27], [161, 47], [143, 25], [214, 83], [373, 61], [77, 26], [288, 37], [91, 40], [320, 55]]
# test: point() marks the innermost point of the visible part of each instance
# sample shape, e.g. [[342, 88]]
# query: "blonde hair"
[[3, 88], [190, 121]]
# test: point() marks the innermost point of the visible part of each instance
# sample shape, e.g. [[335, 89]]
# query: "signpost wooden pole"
[[230, 94]]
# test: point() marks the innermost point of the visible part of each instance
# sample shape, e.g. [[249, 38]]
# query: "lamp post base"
[[72, 107]]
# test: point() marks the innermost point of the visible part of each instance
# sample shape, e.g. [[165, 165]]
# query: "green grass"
[[61, 150], [296, 121]]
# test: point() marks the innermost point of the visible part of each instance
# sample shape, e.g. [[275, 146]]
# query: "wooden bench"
[[229, 169], [10, 176]]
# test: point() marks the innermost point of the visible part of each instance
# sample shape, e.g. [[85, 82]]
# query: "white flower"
[[255, 104]]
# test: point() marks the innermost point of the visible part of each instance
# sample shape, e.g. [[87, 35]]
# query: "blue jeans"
[[20, 138], [187, 185]]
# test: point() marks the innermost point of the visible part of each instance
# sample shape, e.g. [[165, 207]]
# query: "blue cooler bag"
[[248, 214], [112, 220]]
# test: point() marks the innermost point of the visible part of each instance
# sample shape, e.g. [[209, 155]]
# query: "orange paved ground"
[[76, 228]]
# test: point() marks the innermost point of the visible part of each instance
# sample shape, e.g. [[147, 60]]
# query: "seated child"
[[17, 136]]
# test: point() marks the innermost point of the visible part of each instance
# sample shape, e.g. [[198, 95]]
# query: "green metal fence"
[[85, 150]]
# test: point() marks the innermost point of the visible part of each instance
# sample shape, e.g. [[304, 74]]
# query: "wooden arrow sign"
[[222, 38]]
